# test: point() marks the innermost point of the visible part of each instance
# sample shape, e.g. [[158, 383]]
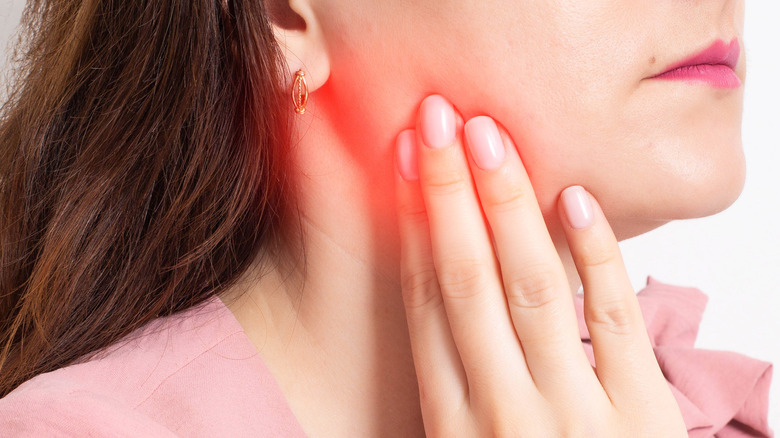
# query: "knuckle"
[[509, 198], [599, 255], [413, 213], [446, 182], [501, 419], [462, 279], [615, 316], [505, 428], [420, 289], [534, 289]]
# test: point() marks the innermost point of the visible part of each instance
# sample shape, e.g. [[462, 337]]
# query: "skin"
[[568, 80], [524, 373]]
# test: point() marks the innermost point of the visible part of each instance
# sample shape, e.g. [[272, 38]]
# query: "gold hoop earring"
[[300, 92]]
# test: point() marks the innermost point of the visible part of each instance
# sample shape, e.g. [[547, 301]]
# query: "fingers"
[[458, 258], [534, 279], [466, 267], [496, 345], [625, 362], [440, 375]]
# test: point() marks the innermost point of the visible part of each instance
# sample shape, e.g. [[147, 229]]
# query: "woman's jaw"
[[571, 81]]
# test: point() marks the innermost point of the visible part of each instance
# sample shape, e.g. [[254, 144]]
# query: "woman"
[[187, 250]]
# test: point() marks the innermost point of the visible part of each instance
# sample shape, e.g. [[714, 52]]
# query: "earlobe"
[[298, 33]]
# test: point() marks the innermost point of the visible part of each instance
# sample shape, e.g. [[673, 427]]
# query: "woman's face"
[[569, 79]]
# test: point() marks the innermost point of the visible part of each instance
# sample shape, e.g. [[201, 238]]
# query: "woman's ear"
[[298, 33]]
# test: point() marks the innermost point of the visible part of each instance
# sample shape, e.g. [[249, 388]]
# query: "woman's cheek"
[[548, 175]]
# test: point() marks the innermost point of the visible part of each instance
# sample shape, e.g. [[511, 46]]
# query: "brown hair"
[[141, 153]]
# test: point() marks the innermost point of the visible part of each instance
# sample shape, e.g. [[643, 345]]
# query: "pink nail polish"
[[437, 122], [406, 155], [485, 143], [578, 208]]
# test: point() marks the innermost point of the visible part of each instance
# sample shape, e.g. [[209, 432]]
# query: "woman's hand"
[[496, 345]]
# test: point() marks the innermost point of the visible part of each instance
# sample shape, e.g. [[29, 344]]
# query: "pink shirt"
[[196, 374]]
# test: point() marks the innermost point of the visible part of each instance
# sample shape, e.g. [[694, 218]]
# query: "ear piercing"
[[300, 92]]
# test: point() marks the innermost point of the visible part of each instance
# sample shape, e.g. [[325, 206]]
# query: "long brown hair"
[[141, 152]]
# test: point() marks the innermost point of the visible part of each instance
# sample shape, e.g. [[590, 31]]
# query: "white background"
[[734, 257]]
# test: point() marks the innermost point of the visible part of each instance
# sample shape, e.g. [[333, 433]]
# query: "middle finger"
[[534, 279]]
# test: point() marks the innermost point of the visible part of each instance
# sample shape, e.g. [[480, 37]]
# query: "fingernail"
[[578, 208], [437, 122], [485, 142], [406, 155]]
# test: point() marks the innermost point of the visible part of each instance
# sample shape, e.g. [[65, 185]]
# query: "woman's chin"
[[694, 175], [702, 201], [695, 196], [714, 189]]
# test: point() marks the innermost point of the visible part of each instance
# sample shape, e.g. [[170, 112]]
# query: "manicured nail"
[[406, 155], [578, 208], [485, 142], [437, 122]]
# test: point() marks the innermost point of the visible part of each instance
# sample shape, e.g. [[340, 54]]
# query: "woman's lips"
[[719, 76], [714, 65]]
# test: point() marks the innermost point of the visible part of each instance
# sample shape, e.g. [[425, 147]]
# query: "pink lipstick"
[[715, 66]]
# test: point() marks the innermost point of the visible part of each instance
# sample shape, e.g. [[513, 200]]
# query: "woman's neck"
[[336, 343]]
